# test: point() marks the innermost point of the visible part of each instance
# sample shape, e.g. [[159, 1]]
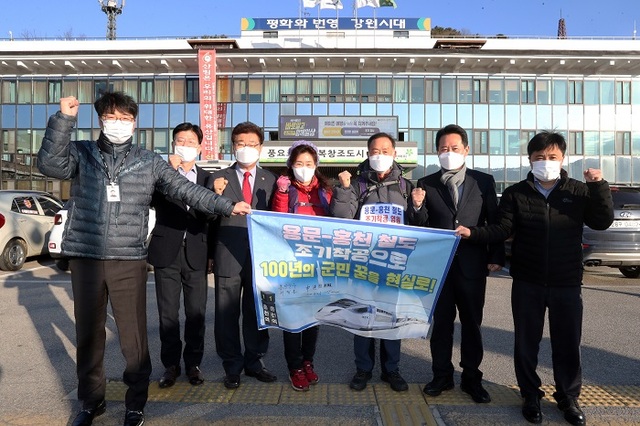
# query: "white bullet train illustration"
[[349, 313]]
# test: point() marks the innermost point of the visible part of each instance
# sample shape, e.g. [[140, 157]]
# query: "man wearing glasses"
[[178, 253], [232, 268], [105, 239]]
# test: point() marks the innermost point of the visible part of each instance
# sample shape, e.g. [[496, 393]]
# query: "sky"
[[194, 18]]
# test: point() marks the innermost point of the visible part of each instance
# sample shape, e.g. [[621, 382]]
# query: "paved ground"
[[37, 367]]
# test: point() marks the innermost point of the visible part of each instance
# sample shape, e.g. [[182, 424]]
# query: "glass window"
[[336, 109], [591, 93], [369, 86], [271, 90], [9, 91], [176, 115], [635, 92], [161, 118], [319, 109], [319, 86], [40, 92], [223, 93], [543, 92], [464, 91], [144, 138], [303, 86], [8, 116], [496, 142], [239, 112], [496, 117], [255, 89], [145, 115], [161, 91], [432, 90], [400, 90], [336, 86], [430, 141], [384, 86], [271, 115], [591, 143], [416, 90], [240, 90], [480, 144], [385, 109], [607, 92], [193, 90], [480, 91], [559, 92], [288, 86], [24, 92], [496, 91], [623, 92], [24, 116], [146, 91], [607, 139], [161, 141], [256, 112], [575, 92], [130, 87], [55, 91], [513, 91], [351, 86], [528, 91], [513, 143], [177, 90], [448, 90], [417, 135], [623, 143], [101, 87]]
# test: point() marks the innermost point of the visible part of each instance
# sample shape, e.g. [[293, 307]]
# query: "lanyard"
[[106, 168]]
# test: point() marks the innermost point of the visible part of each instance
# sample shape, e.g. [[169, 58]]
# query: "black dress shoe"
[[168, 379], [86, 415], [476, 391], [572, 412], [232, 381], [263, 375], [396, 381], [531, 410], [438, 385], [133, 418], [360, 379], [195, 376]]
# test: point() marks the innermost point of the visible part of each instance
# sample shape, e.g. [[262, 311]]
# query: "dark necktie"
[[246, 188]]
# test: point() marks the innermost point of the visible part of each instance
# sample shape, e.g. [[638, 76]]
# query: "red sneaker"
[[311, 375], [299, 380]]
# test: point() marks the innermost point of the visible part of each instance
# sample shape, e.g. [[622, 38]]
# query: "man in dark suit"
[[243, 181], [178, 252], [446, 199]]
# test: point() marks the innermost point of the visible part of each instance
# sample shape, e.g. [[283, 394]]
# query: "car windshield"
[[626, 198]]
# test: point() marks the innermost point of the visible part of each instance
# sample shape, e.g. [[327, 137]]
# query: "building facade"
[[502, 90]]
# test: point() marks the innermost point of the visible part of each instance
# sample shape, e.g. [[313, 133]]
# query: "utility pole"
[[111, 8]]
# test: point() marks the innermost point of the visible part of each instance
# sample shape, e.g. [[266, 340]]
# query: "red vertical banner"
[[208, 104]]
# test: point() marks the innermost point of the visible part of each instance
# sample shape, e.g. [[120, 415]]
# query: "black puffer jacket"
[[347, 202], [547, 233], [99, 229]]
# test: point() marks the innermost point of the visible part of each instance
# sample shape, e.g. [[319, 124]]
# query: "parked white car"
[[57, 233], [26, 219]]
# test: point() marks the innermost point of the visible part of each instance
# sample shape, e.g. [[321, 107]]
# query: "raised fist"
[[219, 185], [417, 196], [345, 179], [69, 106], [283, 183]]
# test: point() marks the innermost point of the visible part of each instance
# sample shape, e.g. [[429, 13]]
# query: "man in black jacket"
[[545, 213], [453, 196], [178, 253]]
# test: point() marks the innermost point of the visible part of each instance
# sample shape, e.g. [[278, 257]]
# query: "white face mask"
[[186, 153], [118, 132], [247, 155], [381, 163], [546, 170], [304, 174], [451, 160]]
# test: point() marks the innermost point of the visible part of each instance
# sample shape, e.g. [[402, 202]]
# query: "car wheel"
[[630, 271], [62, 264], [13, 255]]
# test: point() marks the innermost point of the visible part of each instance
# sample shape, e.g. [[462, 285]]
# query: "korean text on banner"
[[374, 280], [208, 107]]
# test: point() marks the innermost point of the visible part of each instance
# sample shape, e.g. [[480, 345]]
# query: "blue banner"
[[374, 280]]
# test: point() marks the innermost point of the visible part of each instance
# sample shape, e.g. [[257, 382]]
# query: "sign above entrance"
[[335, 128], [281, 24]]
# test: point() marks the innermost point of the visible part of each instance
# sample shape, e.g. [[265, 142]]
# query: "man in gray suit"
[[243, 181], [453, 196]]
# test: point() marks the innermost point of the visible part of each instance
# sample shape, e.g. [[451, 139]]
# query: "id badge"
[[113, 193]]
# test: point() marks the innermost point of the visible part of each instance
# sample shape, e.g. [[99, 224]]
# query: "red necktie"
[[246, 188]]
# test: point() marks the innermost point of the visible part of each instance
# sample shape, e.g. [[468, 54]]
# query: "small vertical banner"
[[208, 104]]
